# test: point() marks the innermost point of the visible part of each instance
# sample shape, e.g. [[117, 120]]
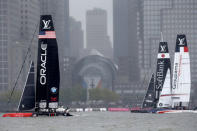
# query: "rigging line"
[[28, 50]]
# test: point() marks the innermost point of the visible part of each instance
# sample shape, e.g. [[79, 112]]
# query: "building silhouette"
[[76, 38], [126, 39], [18, 23], [96, 32]]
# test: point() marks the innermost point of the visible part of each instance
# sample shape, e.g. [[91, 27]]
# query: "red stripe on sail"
[[186, 49]]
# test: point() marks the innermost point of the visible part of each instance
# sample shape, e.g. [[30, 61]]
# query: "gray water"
[[103, 121]]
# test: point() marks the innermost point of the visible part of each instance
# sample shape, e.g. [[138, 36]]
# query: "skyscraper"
[[126, 39], [76, 38], [96, 32], [29, 20], [9, 28]]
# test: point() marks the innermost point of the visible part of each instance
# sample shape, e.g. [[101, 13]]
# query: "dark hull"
[[141, 110]]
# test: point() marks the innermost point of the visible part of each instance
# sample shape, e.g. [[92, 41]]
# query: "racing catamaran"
[[181, 82], [43, 99], [159, 90]]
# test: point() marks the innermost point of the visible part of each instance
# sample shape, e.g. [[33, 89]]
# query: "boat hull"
[[17, 115], [141, 110], [176, 111]]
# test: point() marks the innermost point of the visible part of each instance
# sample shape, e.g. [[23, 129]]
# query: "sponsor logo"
[[53, 98], [163, 48], [46, 24], [160, 104], [163, 55], [54, 90], [149, 95], [181, 41], [43, 59], [175, 75], [160, 75], [149, 101]]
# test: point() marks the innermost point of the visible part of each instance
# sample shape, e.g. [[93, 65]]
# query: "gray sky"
[[78, 10]]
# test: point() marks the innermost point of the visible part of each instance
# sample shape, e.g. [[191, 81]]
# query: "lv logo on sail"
[[163, 48], [46, 24], [181, 41]]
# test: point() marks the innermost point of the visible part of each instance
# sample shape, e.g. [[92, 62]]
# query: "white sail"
[[181, 83], [165, 99]]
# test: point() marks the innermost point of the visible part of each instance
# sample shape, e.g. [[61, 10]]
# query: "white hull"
[[176, 111]]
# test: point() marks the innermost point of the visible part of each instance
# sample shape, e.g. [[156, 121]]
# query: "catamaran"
[[42, 98], [159, 90], [181, 81]]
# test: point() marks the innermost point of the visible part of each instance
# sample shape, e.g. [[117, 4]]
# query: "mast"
[[181, 83], [163, 66], [48, 77], [27, 101]]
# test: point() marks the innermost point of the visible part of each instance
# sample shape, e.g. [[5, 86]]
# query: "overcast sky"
[[78, 10]]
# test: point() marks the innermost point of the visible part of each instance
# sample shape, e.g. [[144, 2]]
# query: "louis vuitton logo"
[[163, 48], [181, 41], [46, 24]]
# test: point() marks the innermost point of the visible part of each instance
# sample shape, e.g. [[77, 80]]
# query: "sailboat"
[[159, 90], [43, 98], [181, 81]]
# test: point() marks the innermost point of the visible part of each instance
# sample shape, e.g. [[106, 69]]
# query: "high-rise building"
[[96, 32], [29, 24], [127, 39], [9, 34], [76, 38]]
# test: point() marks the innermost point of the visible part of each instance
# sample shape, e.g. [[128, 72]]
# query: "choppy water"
[[103, 121]]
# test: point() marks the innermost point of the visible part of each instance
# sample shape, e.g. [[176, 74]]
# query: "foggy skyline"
[[78, 11]]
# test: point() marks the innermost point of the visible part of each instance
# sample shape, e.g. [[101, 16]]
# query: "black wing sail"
[[48, 76], [150, 94], [163, 64], [27, 101]]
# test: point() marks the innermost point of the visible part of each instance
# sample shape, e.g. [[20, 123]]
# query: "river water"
[[103, 121]]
